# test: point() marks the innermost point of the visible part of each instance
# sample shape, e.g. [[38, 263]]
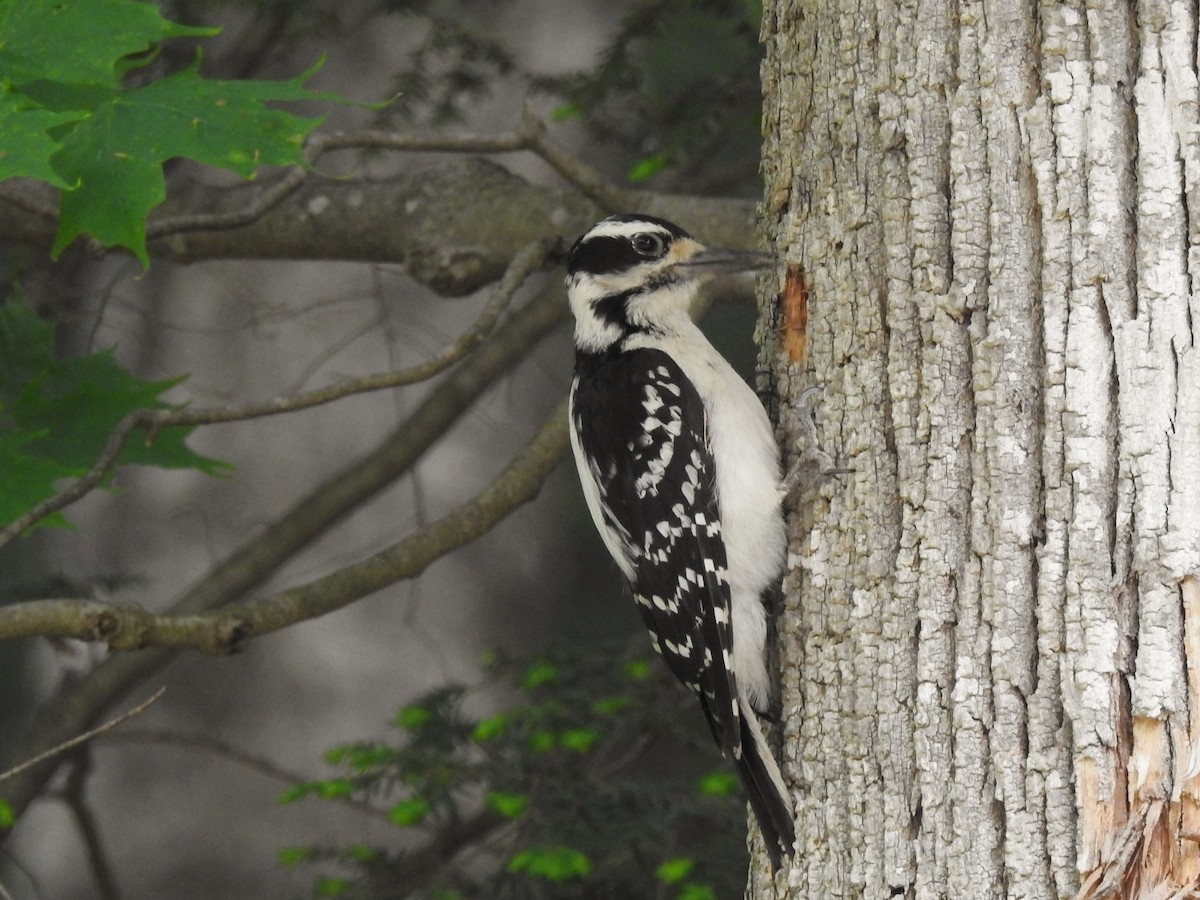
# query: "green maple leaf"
[[56, 415], [80, 41], [26, 146], [116, 154], [67, 118]]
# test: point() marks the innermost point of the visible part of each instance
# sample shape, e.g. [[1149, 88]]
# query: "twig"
[[76, 705], [522, 266], [72, 795], [229, 752], [82, 485], [83, 738], [531, 135], [225, 629]]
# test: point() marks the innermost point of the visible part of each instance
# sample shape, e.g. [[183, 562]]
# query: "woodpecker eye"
[[649, 245]]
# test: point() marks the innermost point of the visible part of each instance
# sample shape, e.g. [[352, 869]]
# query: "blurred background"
[[185, 799]]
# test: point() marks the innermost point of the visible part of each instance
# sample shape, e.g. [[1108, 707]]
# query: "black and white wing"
[[639, 431]]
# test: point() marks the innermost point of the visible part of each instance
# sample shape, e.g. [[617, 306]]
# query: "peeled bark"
[[991, 635]]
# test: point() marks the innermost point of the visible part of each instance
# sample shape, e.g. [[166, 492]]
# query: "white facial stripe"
[[625, 230]]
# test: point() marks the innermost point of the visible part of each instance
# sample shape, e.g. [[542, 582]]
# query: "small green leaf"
[[636, 669], [648, 167], [511, 806], [540, 673], [675, 870], [360, 757], [490, 728], [566, 111], [542, 741], [693, 891], [413, 717], [581, 740], [607, 706], [408, 813], [290, 857], [297, 792], [557, 864], [718, 784], [361, 853], [334, 788], [7, 817], [332, 887]]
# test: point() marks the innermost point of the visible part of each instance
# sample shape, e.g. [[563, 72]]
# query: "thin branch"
[[139, 418], [229, 752], [79, 703], [531, 135], [525, 263], [522, 266], [83, 738], [89, 830], [126, 627], [591, 182]]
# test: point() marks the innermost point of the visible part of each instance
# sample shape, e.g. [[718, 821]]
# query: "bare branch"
[[525, 263], [72, 795], [226, 751], [82, 738], [127, 627], [591, 182]]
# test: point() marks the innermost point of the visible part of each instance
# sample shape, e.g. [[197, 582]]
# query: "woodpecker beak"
[[709, 262]]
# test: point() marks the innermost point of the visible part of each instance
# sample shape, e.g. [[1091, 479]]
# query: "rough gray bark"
[[991, 655]]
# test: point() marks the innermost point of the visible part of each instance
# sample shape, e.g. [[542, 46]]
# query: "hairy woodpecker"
[[681, 474]]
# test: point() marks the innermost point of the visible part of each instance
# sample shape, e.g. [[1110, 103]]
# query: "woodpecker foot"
[[813, 466]]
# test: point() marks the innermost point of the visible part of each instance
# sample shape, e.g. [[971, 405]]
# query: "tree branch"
[[72, 795], [426, 220], [83, 738], [79, 703], [525, 263], [531, 135], [125, 627]]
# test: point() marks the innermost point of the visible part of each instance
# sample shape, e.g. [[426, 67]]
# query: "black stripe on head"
[[603, 254]]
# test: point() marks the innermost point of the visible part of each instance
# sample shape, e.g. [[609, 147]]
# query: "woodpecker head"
[[636, 273]]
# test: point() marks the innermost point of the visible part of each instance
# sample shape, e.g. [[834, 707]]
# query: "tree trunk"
[[991, 635]]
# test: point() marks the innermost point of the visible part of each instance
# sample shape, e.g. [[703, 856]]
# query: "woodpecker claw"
[[813, 466]]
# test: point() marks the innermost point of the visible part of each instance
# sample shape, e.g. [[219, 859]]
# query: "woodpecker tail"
[[765, 789]]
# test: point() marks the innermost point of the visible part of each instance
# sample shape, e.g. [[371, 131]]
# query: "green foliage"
[[290, 857], [332, 887], [585, 787], [70, 117], [511, 806], [721, 783], [7, 817], [557, 864], [675, 870], [409, 812], [56, 415]]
